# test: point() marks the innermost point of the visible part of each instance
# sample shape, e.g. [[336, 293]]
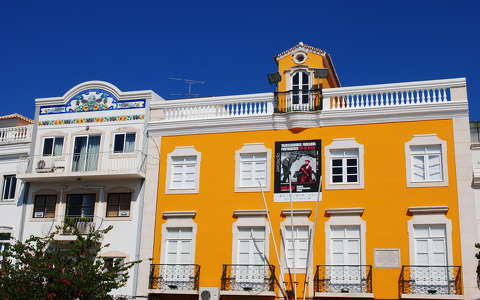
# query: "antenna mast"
[[189, 82]]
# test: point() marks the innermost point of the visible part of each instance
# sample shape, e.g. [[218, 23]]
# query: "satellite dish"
[[274, 77]]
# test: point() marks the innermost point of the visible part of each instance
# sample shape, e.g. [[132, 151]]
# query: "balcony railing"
[[68, 225], [356, 98], [298, 100], [174, 277], [255, 278], [18, 134], [431, 280], [343, 279], [84, 164]]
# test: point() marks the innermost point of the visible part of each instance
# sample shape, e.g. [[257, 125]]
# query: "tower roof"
[[300, 46]]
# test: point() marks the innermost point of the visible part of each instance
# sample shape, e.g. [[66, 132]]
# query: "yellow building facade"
[[314, 191]]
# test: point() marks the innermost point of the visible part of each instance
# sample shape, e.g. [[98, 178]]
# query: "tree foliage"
[[45, 268]]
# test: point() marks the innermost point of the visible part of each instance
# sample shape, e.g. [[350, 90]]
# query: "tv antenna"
[[190, 82]]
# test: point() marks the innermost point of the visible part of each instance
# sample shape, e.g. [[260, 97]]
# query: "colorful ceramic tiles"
[[92, 100], [91, 120]]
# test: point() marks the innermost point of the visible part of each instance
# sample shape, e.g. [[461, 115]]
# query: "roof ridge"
[[301, 45], [16, 115]]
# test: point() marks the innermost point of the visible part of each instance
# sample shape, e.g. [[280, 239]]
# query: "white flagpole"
[[294, 286], [273, 236]]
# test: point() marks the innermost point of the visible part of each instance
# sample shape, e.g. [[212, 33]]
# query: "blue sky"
[[47, 47]]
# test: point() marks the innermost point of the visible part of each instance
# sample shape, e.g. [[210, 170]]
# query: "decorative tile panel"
[[92, 100], [91, 120]]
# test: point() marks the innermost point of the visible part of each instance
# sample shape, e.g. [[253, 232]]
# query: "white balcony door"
[[430, 255], [300, 87], [85, 153], [345, 255], [251, 251], [179, 252]]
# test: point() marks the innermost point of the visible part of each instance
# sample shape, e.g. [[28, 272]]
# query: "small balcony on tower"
[[298, 100]]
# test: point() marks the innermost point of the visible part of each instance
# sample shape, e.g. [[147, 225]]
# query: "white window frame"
[[8, 230], [346, 217], [249, 218], [294, 71], [182, 151], [250, 148], [53, 145], [178, 219], [426, 140], [4, 183], [434, 216], [124, 140], [344, 144], [300, 218]]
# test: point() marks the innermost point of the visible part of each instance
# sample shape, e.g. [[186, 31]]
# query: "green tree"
[[44, 268]]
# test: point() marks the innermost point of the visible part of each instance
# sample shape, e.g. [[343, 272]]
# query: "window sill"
[[251, 293], [122, 155], [344, 186], [181, 191], [428, 296], [251, 189], [117, 219], [41, 219], [344, 295], [294, 271], [427, 183], [8, 202]]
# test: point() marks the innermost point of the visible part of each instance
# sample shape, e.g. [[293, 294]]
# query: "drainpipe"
[[139, 237]]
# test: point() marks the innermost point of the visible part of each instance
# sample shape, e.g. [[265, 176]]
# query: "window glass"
[[183, 172], [253, 169], [296, 246], [53, 146], [9, 187], [124, 143], [426, 163], [80, 205], [118, 204], [4, 241], [44, 206], [179, 245], [344, 166]]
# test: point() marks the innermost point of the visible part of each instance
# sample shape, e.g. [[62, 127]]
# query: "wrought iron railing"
[[298, 100], [174, 277], [343, 279], [255, 278], [433, 280]]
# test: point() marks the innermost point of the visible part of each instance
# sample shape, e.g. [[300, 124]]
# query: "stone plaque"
[[387, 258]]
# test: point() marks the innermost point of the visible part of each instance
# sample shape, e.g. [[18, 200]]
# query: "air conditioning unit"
[[44, 166], [209, 293]]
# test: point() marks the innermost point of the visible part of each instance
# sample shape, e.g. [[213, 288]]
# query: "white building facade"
[[15, 143], [88, 167]]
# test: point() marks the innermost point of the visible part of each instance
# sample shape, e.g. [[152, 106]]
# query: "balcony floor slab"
[[344, 295], [428, 296], [248, 293], [173, 292]]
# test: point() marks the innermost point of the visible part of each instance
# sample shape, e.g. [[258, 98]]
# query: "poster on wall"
[[297, 164]]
